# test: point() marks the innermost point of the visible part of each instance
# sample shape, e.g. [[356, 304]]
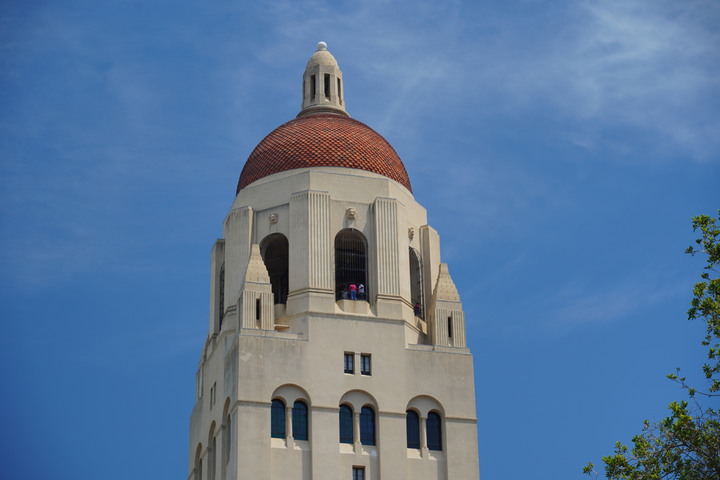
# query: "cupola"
[[322, 84]]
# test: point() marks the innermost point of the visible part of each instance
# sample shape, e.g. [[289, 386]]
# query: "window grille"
[[346, 424], [274, 251], [413, 429], [434, 433], [350, 261], [277, 419], [367, 426], [300, 421]]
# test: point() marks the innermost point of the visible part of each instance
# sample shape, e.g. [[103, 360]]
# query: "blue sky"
[[559, 147]]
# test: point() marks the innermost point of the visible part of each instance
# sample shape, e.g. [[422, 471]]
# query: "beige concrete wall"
[[246, 367]]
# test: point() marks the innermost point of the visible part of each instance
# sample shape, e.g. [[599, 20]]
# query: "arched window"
[[350, 261], [346, 424], [434, 432], [367, 426], [226, 442], [412, 422], [300, 420], [274, 251], [416, 290], [277, 419], [197, 471], [213, 459]]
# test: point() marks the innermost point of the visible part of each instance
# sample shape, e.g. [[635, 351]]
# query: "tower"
[[336, 344]]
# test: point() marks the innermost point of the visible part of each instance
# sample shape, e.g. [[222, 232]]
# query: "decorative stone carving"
[[350, 213], [273, 218], [411, 233]]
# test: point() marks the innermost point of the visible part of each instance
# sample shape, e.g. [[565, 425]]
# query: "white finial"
[[321, 46]]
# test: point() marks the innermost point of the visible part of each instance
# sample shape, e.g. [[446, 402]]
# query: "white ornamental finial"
[[321, 46]]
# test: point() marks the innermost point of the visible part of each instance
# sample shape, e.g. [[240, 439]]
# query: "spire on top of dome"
[[322, 84]]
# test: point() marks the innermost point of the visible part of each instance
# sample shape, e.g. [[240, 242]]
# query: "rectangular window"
[[358, 473], [327, 86], [365, 364], [349, 362], [339, 92], [312, 87], [450, 332]]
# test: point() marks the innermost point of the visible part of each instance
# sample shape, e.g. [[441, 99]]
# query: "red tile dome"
[[323, 140]]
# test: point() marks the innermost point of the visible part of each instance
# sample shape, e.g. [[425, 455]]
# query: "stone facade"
[[298, 381]]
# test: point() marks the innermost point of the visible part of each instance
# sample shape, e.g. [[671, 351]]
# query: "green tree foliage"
[[686, 444]]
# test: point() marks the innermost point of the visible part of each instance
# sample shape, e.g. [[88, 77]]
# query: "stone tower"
[[336, 343]]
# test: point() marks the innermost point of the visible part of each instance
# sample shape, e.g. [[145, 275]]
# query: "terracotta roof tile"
[[323, 140]]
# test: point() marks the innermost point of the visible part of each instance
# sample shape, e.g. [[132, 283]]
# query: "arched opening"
[[197, 471], [416, 280], [277, 419], [412, 422], [367, 426], [346, 424], [226, 432], [350, 265], [274, 251], [213, 459], [300, 420], [434, 431]]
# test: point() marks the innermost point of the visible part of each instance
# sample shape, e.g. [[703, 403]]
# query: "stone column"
[[311, 255], [356, 429], [237, 231], [423, 436], [387, 258]]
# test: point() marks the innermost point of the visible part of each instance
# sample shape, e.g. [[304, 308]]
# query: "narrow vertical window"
[[412, 421], [434, 432], [313, 88], [346, 424], [327, 86], [221, 294], [258, 308], [339, 92], [450, 329], [277, 419], [416, 290], [350, 363], [365, 367], [367, 426], [300, 421], [358, 473]]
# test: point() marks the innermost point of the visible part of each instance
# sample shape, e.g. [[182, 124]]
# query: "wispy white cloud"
[[580, 302], [649, 65]]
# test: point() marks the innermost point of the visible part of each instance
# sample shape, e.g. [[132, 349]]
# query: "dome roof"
[[323, 140]]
